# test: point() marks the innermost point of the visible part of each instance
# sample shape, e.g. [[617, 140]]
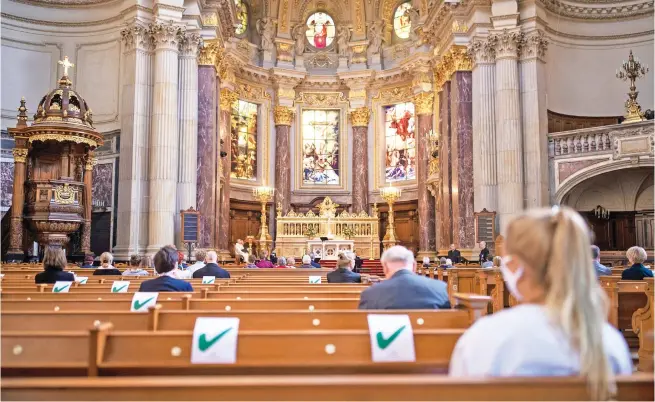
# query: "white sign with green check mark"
[[215, 340], [314, 279], [392, 338], [61, 287], [81, 279], [208, 279], [141, 301], [120, 286]]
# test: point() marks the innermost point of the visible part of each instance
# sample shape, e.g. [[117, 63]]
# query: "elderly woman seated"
[[282, 263]]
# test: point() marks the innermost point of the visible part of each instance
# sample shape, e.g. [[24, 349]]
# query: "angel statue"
[[298, 34], [413, 15], [266, 28], [376, 36], [343, 37]]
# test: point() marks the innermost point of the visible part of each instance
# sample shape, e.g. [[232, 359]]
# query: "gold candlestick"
[[631, 70], [390, 195], [264, 195]]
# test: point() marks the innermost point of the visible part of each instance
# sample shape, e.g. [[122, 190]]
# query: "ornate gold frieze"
[[20, 155], [208, 53], [252, 92], [357, 94], [321, 99], [424, 103], [283, 116], [227, 99], [210, 19], [360, 117], [454, 59], [65, 194], [62, 138], [288, 93], [395, 94]]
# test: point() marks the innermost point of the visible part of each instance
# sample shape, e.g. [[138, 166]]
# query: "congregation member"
[[443, 263], [263, 261], [497, 262], [291, 262], [282, 263], [136, 266], [166, 266], [343, 273], [273, 257], [560, 328], [54, 263], [211, 268], [239, 251], [251, 262], [488, 264], [88, 261], [315, 262], [359, 263], [402, 289], [484, 253], [600, 268], [200, 261], [637, 271], [426, 262], [454, 254], [105, 268], [306, 262]]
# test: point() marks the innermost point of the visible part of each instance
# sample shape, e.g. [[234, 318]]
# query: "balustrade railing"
[[590, 140]]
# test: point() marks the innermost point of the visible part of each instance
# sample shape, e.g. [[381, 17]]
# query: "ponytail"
[[575, 300]]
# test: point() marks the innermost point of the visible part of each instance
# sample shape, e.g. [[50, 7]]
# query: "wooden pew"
[[381, 387]]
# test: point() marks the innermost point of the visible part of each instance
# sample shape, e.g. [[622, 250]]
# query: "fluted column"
[[188, 121], [485, 181], [509, 139], [534, 113], [15, 251], [136, 100], [164, 137], [424, 104], [227, 99], [359, 118], [283, 117]]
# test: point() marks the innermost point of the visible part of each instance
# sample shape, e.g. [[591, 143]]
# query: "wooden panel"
[[561, 122], [616, 233], [406, 223], [245, 218], [100, 232]]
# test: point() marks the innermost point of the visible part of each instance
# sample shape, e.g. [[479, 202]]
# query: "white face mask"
[[511, 278]]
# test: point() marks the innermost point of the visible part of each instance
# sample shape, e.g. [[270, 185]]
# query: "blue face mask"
[[512, 278]]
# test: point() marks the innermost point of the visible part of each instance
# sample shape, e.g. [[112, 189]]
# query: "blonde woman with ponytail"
[[560, 328]]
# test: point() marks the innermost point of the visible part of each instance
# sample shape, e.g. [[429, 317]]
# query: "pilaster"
[[359, 119]]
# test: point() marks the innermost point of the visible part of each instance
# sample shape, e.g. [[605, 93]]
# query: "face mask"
[[512, 278]]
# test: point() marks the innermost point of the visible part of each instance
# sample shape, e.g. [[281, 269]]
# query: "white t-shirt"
[[521, 341]]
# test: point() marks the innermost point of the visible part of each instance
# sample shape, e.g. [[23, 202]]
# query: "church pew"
[[223, 295], [381, 387]]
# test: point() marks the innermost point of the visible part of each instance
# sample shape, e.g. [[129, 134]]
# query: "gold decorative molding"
[[65, 194], [288, 93], [454, 59], [424, 103], [63, 138], [283, 116], [208, 54], [91, 161], [210, 19], [284, 11], [459, 27], [227, 99], [20, 155], [395, 94], [252, 92], [321, 99], [360, 117]]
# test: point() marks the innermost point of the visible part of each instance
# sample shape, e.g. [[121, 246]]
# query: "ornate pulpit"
[[52, 173]]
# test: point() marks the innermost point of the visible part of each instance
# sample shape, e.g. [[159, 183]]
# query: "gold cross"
[[67, 64]]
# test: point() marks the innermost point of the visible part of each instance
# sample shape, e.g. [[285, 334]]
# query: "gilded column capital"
[[166, 35], [454, 59], [227, 99], [482, 51], [20, 155], [360, 116], [507, 44], [91, 161], [283, 116], [424, 103], [208, 52], [190, 43], [533, 46]]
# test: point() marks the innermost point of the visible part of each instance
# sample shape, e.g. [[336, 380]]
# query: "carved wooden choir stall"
[[52, 173]]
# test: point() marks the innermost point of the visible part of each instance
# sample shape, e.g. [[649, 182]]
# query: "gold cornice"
[[360, 116], [424, 103], [227, 99], [20, 155], [453, 59], [283, 116]]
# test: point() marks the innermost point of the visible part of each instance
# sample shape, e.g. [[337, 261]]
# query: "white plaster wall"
[[622, 190]]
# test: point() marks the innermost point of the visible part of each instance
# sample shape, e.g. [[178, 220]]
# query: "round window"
[[401, 21], [320, 30], [242, 17]]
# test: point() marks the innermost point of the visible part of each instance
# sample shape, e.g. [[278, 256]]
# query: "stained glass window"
[[243, 144], [242, 17], [399, 125], [401, 22], [320, 147], [320, 30]]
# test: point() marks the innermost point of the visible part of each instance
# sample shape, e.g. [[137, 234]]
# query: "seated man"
[[166, 266], [359, 262], [239, 252], [598, 267], [343, 273], [263, 261], [315, 263], [306, 262], [403, 289], [211, 268], [454, 254]]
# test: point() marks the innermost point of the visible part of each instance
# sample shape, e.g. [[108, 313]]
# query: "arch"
[[646, 184]]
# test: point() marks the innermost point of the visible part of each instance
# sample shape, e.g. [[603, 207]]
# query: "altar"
[[329, 249]]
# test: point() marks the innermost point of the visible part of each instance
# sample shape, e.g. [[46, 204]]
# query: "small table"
[[329, 249]]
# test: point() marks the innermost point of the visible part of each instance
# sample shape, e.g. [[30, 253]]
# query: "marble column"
[[188, 126], [359, 118], [485, 181], [164, 137], [227, 99], [207, 180], [445, 199], [424, 104], [509, 139], [136, 101], [534, 113], [461, 151], [283, 117], [15, 252], [90, 162]]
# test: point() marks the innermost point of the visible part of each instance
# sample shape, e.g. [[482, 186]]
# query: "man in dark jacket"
[[166, 265], [403, 289], [454, 255], [211, 268], [484, 253], [343, 273]]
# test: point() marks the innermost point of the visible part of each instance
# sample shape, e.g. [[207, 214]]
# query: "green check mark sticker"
[[116, 290], [204, 343], [138, 304], [383, 342], [60, 289], [142, 300]]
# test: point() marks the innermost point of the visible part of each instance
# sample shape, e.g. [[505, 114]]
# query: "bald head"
[[211, 256], [397, 258]]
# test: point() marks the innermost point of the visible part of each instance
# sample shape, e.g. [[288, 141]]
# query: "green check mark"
[[205, 344], [138, 304], [116, 290], [57, 290], [383, 342]]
